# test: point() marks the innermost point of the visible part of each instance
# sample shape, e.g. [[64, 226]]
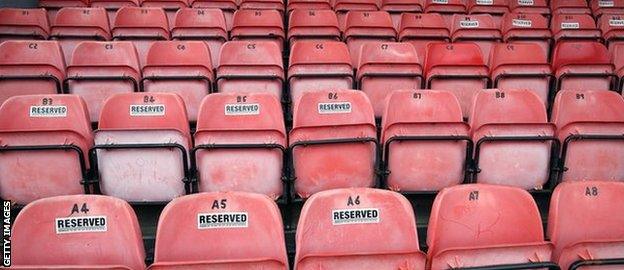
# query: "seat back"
[[479, 29], [582, 65], [422, 29], [396, 8], [527, 28], [112, 6], [207, 25], [574, 27], [142, 26], [617, 58], [342, 7], [600, 8], [170, 6], [277, 5], [308, 5], [569, 7], [493, 107], [530, 7], [612, 27], [496, 8], [53, 6], [446, 8], [315, 25], [364, 26], [258, 25], [74, 25], [18, 23]]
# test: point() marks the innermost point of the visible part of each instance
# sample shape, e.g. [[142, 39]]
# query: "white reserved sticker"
[[242, 109], [334, 107], [147, 110], [521, 23], [526, 2], [616, 23], [222, 220], [439, 1], [605, 3], [485, 2], [355, 216], [85, 224], [469, 24], [570, 25], [48, 111]]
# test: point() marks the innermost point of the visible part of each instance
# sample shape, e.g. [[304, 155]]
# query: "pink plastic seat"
[[342, 7], [171, 7], [574, 27], [606, 7], [313, 25], [583, 65], [48, 234], [23, 24], [397, 7], [58, 129], [425, 149], [333, 141], [142, 26], [387, 67], [181, 67], [277, 5], [617, 58], [590, 125], [495, 8], [100, 69], [422, 29], [446, 8], [227, 6], [112, 6], [364, 27], [480, 225], [527, 28], [569, 7], [478, 29], [530, 7], [612, 27], [358, 228], [53, 6], [74, 25], [258, 26], [30, 68], [584, 223], [240, 143], [207, 25], [307, 5]]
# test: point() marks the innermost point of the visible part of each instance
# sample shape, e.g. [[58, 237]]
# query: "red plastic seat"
[[342, 7], [527, 28], [574, 27], [617, 58], [30, 67], [207, 25], [458, 68], [112, 6], [58, 129], [414, 160], [26, 24], [585, 224], [141, 147], [446, 8], [333, 141], [512, 139], [100, 69], [308, 5], [496, 8], [250, 67], [367, 229], [521, 66], [422, 29], [485, 225], [364, 27], [583, 65], [612, 27], [397, 7], [478, 29], [277, 5], [314, 25], [590, 125], [240, 142], [74, 25], [569, 7], [171, 7], [606, 7], [227, 6], [319, 65], [181, 67], [53, 6], [386, 67], [259, 25], [530, 7], [142, 26]]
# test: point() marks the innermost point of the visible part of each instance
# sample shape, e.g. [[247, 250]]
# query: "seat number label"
[[570, 25], [147, 110], [242, 109], [469, 24], [222, 220], [48, 111], [616, 23], [439, 1], [355, 216], [521, 23], [605, 3], [485, 2], [81, 224], [334, 107], [526, 2]]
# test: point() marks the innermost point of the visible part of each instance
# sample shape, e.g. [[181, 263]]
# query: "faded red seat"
[[527, 28], [57, 131], [333, 141], [387, 67], [240, 143], [574, 27], [142, 26], [171, 7], [422, 29], [530, 7], [496, 8], [479, 225], [74, 25], [30, 67], [257, 26], [397, 7], [367, 229], [427, 148], [23, 24], [569, 7], [612, 27], [53, 6], [307, 5], [617, 58], [207, 25], [342, 7], [181, 67], [227, 6], [277, 5], [48, 234], [583, 65], [606, 7], [364, 27], [112, 6], [314, 25], [100, 69], [446, 8], [590, 125], [478, 29], [141, 147], [585, 225]]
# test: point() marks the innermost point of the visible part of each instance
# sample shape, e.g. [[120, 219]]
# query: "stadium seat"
[[50, 233], [612, 27], [367, 229], [277, 5], [141, 147], [583, 65], [363, 27], [181, 67], [74, 25], [319, 65], [314, 25], [585, 224], [142, 26], [606, 7], [496, 8], [590, 125], [171, 7], [397, 7], [458, 68], [246, 67], [100, 69], [422, 29], [574, 27], [207, 25], [257, 26], [24, 24], [446, 8], [333, 141], [228, 230], [512, 139], [426, 149], [307, 5], [478, 225], [30, 67], [342, 7], [617, 58], [521, 66], [227, 6], [569, 7], [386, 67], [527, 28], [530, 7], [240, 143], [53, 6], [45, 146], [112, 6], [478, 29]]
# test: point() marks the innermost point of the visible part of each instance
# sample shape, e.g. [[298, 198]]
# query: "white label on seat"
[[616, 23], [147, 110], [521, 23], [570, 25], [242, 109], [222, 220], [85, 224], [355, 216], [485, 2], [48, 111], [469, 24], [526, 2], [439, 2], [334, 107], [606, 3]]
